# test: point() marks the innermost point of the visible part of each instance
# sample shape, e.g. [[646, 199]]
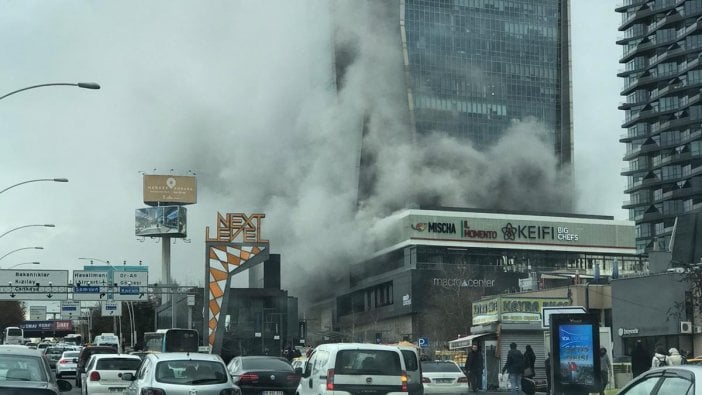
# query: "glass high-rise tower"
[[476, 65], [473, 67], [662, 48]]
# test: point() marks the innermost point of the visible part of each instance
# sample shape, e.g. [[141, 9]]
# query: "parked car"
[[27, 371], [443, 377], [338, 368], [66, 365], [85, 354], [181, 374], [103, 373], [664, 380], [263, 374]]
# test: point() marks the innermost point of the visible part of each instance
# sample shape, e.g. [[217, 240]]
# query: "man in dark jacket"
[[640, 359], [515, 367], [474, 367]]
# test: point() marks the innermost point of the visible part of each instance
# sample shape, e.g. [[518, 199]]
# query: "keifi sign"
[[513, 309]]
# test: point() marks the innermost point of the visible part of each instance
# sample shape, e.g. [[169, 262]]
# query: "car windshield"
[[191, 372], [266, 364], [21, 368], [440, 367], [117, 364], [70, 354]]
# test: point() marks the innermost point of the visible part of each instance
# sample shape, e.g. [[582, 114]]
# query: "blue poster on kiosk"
[[574, 350]]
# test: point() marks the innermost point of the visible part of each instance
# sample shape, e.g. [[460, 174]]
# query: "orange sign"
[[233, 226]]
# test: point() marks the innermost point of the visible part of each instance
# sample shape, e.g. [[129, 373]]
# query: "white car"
[[103, 373], [66, 365], [666, 380], [175, 373], [354, 368], [443, 377]]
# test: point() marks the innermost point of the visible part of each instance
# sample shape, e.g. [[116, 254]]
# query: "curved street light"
[[27, 226], [85, 85], [96, 259], [37, 180], [24, 263], [20, 249]]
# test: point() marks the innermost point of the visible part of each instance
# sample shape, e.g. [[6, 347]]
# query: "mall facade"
[[431, 265]]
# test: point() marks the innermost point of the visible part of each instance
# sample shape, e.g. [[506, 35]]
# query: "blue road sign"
[[86, 290], [423, 342], [129, 290]]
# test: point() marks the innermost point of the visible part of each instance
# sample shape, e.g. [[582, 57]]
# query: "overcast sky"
[[234, 91]]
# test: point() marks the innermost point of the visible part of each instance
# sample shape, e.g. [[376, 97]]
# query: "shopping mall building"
[[430, 266]]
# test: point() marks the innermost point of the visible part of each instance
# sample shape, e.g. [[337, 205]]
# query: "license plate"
[[116, 389], [444, 381], [271, 392]]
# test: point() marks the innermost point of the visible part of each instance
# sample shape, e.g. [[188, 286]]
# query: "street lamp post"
[[27, 226], [37, 180], [20, 249], [24, 263], [85, 85]]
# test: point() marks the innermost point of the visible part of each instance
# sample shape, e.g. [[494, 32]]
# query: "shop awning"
[[464, 342]]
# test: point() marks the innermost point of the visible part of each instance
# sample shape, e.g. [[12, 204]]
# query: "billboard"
[[169, 189], [162, 221]]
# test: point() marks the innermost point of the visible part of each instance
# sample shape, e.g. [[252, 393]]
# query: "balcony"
[[623, 5]]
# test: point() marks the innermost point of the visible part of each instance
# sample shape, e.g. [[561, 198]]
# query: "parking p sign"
[[423, 342]]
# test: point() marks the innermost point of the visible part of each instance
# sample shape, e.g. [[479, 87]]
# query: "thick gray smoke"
[[291, 149]]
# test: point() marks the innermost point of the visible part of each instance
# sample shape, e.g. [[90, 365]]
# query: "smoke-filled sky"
[[242, 93]]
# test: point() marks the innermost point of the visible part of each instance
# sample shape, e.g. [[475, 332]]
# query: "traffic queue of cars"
[[330, 368]]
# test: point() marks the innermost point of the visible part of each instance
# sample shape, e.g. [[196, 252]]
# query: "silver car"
[[23, 370], [181, 374]]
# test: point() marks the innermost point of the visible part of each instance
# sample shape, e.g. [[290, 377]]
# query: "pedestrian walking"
[[640, 359], [529, 362], [660, 358], [474, 367], [547, 366], [605, 367], [674, 357], [514, 366]]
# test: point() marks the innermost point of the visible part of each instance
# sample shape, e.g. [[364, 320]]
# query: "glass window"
[[676, 385], [643, 386]]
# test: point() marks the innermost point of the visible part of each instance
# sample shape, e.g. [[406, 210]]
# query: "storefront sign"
[[628, 332], [237, 226], [520, 229], [513, 309], [463, 282]]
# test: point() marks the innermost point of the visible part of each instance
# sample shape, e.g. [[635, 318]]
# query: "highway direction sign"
[[90, 285], [33, 284], [130, 285], [111, 308], [70, 310]]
